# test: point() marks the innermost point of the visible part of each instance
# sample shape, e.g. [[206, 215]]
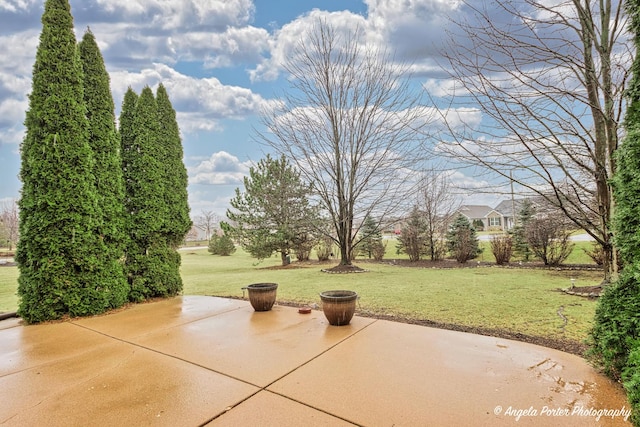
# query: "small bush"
[[324, 249], [631, 382], [412, 239], [462, 241], [221, 245], [616, 326], [378, 249], [549, 240], [303, 246], [502, 248], [595, 253], [478, 224]]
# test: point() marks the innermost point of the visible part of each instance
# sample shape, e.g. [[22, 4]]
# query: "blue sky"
[[221, 62]]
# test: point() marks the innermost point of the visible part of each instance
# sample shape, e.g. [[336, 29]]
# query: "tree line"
[[102, 210]]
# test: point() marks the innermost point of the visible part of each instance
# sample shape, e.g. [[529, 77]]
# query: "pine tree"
[[105, 144], [59, 254], [519, 231], [274, 211], [462, 241], [371, 237]]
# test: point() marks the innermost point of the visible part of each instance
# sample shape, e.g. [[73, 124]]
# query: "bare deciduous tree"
[[348, 123], [549, 79], [438, 204], [9, 223], [208, 222]]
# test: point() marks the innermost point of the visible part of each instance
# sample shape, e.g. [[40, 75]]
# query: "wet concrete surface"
[[197, 360]]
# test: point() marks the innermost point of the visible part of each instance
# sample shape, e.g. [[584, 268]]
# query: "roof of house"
[[506, 207], [475, 211]]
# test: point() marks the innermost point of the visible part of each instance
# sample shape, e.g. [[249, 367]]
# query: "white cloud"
[[16, 5], [221, 168], [184, 14], [200, 103], [413, 28], [288, 38]]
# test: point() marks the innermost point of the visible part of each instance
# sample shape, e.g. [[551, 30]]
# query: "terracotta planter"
[[338, 306], [262, 296]]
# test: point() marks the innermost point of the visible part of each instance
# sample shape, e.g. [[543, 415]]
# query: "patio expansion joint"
[[265, 388], [172, 356]]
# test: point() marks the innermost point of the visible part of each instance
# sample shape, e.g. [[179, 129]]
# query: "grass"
[[525, 301], [8, 287]]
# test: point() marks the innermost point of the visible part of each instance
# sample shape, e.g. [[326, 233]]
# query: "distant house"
[[500, 218], [509, 210], [490, 218]]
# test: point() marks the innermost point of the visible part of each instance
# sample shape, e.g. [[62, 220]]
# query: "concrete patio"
[[196, 360]]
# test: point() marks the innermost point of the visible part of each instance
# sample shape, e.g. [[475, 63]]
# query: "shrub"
[[462, 241], [616, 327], [631, 382], [412, 237], [549, 240], [596, 253], [221, 245], [324, 249], [502, 248], [378, 249]]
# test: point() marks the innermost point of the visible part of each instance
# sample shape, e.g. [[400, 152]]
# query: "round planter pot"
[[338, 306], [262, 296]]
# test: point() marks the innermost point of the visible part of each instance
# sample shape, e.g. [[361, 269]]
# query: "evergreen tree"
[[105, 145], [370, 236], [274, 212], [177, 222], [128, 154], [462, 241], [616, 331], [59, 254], [221, 245], [150, 265], [519, 233]]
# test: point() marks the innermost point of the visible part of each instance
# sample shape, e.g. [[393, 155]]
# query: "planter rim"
[[338, 295], [262, 286]]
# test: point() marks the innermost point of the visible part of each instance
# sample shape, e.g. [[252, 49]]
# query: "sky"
[[221, 63]]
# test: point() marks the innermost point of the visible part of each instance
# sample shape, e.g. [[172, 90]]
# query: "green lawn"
[[519, 300], [8, 286]]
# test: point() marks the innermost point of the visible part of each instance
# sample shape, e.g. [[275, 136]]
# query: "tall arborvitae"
[[150, 263], [59, 254], [105, 143], [616, 331], [127, 139], [129, 154], [177, 222]]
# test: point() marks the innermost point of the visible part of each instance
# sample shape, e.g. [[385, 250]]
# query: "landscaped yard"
[[515, 302]]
